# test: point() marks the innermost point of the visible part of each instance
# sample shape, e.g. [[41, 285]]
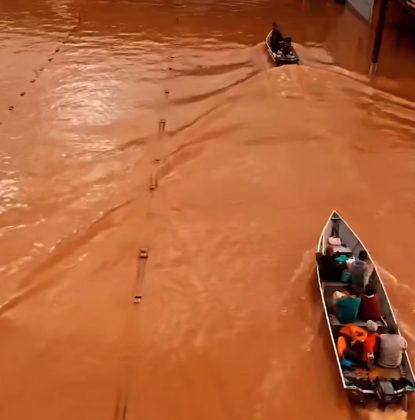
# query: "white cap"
[[372, 326]]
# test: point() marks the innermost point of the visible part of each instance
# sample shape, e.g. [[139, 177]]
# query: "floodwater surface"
[[162, 125]]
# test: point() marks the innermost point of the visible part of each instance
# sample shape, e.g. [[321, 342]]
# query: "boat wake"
[[384, 415]]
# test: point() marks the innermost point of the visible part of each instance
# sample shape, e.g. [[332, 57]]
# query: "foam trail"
[[385, 273], [387, 415]]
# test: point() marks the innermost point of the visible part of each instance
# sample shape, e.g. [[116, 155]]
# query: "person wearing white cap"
[[371, 344], [371, 326]]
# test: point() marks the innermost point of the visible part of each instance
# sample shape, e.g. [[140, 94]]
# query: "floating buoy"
[[143, 253], [153, 183], [137, 299]]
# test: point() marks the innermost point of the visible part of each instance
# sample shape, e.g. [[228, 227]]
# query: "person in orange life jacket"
[[370, 307], [353, 333], [350, 343], [359, 345]]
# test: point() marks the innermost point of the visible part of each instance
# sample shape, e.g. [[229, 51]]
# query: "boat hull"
[[387, 386]]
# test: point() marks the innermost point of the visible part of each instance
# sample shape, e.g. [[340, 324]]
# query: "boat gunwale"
[[267, 39], [320, 285]]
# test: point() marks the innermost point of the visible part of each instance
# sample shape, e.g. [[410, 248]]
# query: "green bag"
[[342, 258]]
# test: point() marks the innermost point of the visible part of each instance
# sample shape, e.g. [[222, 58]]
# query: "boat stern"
[[386, 392]]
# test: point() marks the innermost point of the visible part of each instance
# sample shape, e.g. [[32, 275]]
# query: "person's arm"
[[404, 344], [367, 274], [359, 337]]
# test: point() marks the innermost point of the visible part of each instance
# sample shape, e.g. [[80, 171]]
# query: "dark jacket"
[[329, 269], [276, 38]]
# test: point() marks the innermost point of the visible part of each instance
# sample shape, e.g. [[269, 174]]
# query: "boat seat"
[[342, 249], [334, 321], [335, 284]]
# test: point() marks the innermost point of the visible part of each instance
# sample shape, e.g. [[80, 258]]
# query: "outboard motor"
[[385, 392]]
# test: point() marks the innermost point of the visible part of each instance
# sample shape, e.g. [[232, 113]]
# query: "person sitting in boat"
[[358, 345], [370, 308], [276, 38], [392, 346], [346, 306], [353, 333], [286, 46], [346, 275], [371, 345], [360, 272], [350, 343], [329, 268]]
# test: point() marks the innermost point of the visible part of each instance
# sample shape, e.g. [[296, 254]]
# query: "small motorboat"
[[373, 382], [281, 52]]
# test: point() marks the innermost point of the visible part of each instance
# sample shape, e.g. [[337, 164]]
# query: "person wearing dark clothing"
[[329, 268], [276, 38], [370, 307], [354, 353]]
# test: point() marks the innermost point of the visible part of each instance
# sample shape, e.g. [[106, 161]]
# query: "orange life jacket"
[[341, 346], [354, 332]]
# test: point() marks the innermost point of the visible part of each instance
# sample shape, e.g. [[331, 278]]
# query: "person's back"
[[329, 268], [347, 308], [371, 308], [391, 347], [359, 272], [276, 37]]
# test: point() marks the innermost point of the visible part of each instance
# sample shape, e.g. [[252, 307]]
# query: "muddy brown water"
[[101, 99]]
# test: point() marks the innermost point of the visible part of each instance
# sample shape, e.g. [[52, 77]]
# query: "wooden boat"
[[387, 386], [278, 56]]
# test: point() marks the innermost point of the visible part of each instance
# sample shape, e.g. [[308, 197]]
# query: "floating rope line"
[[50, 59]]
